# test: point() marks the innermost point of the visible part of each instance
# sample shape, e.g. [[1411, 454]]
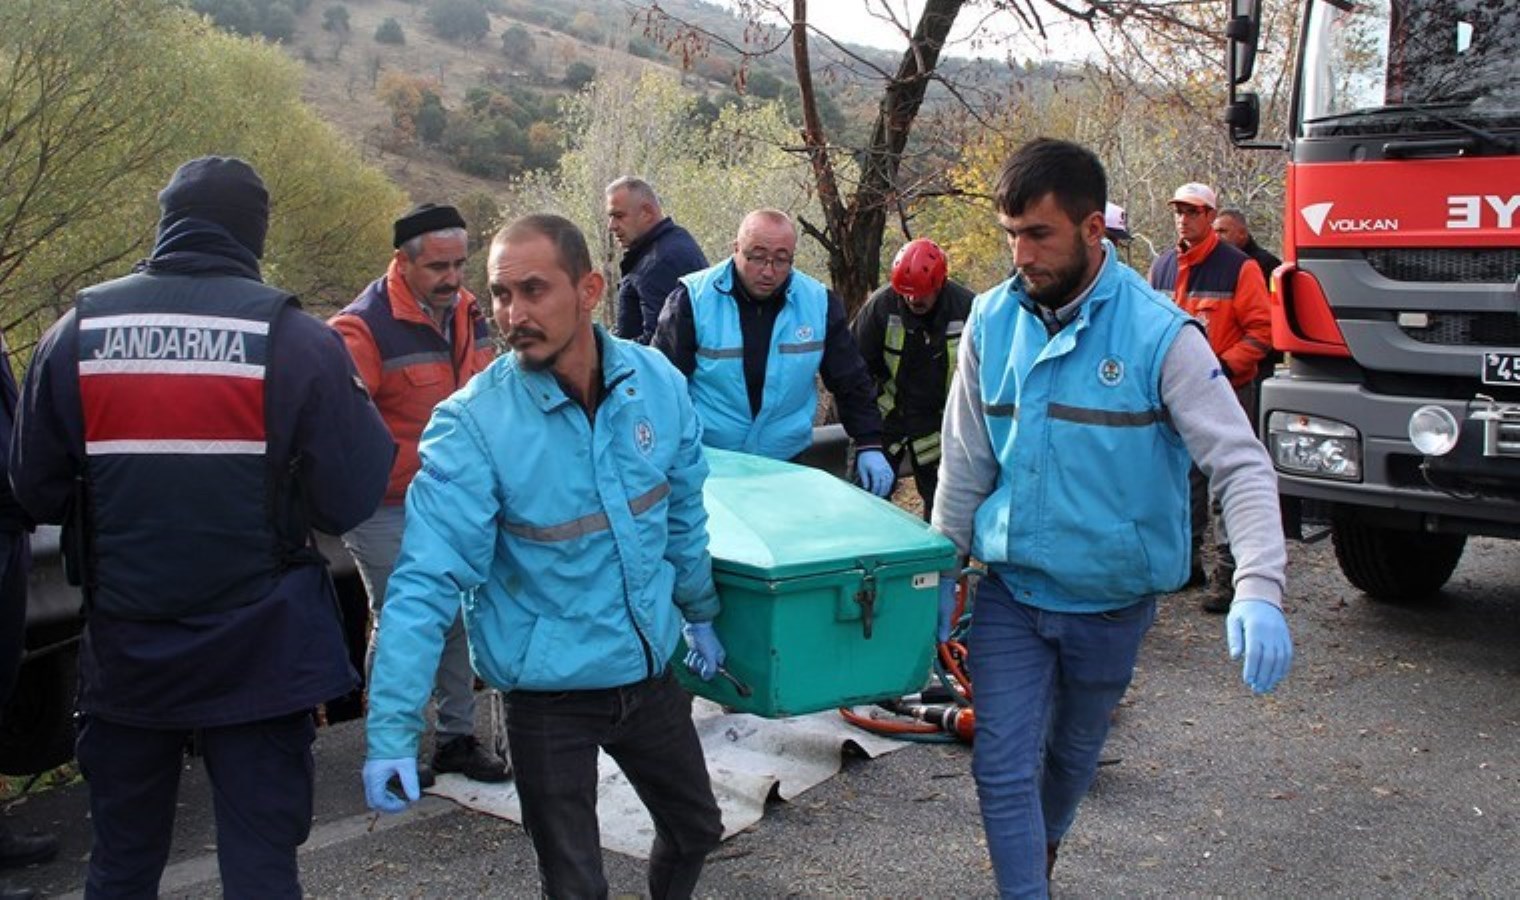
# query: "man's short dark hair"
[[1047, 166], [569, 243], [1238, 214]]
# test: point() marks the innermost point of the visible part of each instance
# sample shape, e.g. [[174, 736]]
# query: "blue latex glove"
[[377, 772], [875, 472], [706, 653], [946, 604], [1258, 629]]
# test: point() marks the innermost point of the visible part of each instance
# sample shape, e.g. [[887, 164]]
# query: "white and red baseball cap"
[[1195, 194]]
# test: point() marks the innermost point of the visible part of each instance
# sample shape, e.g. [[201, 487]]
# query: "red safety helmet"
[[919, 269]]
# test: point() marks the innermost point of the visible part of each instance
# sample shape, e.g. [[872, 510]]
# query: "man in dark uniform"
[[189, 425], [909, 332], [16, 850]]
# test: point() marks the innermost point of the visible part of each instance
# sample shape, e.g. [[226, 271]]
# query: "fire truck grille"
[[1499, 265], [1480, 329]]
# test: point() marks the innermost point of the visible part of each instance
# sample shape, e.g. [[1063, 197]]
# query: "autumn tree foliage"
[[853, 212], [88, 134]]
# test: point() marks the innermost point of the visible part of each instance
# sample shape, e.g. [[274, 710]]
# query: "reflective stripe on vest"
[[1086, 454], [783, 427], [892, 348]]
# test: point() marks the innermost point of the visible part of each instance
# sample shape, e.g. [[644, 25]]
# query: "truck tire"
[[37, 731], [1394, 566]]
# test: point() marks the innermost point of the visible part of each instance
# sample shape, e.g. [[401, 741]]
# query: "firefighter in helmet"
[[908, 332]]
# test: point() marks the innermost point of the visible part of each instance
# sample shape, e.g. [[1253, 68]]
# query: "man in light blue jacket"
[[1079, 396], [560, 501]]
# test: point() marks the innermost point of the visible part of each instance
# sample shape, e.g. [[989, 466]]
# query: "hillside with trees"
[[89, 133], [502, 106]]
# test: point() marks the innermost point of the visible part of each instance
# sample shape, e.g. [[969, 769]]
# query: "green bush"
[[390, 32], [335, 19], [459, 20], [579, 74]]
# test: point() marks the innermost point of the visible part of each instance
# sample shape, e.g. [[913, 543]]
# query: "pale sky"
[[862, 22]]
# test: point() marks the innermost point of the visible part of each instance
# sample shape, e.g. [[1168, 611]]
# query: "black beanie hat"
[[423, 219], [222, 190]]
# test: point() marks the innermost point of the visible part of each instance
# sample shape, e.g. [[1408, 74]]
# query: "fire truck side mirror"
[[1243, 115], [1242, 31]]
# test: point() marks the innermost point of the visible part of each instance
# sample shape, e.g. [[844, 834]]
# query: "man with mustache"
[[416, 336], [1079, 396], [753, 335], [560, 494], [909, 332]]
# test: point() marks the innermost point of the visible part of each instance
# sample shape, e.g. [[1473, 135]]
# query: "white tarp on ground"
[[748, 757]]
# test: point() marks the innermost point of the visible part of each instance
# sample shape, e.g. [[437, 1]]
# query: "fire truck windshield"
[[1385, 66]]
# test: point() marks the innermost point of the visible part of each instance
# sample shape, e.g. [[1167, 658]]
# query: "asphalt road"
[[1388, 765]]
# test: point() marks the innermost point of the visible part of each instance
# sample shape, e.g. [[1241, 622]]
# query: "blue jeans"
[[375, 544], [646, 728], [1046, 683]]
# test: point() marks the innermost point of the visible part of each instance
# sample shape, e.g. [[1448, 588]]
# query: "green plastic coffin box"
[[830, 595]]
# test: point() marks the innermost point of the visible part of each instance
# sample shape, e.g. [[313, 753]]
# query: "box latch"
[[865, 598]]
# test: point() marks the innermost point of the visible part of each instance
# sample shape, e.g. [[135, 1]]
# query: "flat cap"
[[425, 218]]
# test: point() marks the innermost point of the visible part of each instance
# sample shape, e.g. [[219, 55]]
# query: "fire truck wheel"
[[1395, 566]]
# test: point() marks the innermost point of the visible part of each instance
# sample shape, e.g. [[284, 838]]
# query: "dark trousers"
[[925, 474], [14, 557], [646, 728], [261, 779]]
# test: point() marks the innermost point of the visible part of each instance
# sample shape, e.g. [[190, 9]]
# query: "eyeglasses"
[[1187, 211], [780, 262]]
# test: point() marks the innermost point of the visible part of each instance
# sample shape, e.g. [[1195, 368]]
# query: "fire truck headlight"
[[1433, 430], [1314, 446]]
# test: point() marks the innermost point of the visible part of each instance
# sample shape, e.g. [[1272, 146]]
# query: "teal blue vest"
[[784, 426], [1090, 509]]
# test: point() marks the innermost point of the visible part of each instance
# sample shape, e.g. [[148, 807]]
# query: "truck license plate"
[[1501, 368]]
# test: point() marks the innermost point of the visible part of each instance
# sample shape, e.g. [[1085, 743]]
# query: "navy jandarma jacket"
[[189, 428]]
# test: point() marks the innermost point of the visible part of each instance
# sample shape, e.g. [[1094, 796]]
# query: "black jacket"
[[650, 268], [923, 373]]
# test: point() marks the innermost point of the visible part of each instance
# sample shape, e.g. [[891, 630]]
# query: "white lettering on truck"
[[1466, 210]]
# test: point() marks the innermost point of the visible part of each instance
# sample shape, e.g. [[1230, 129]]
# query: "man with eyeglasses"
[[752, 335], [1219, 285]]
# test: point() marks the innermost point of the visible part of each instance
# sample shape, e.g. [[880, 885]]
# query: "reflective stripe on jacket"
[[911, 359], [1220, 286], [784, 426], [171, 386], [577, 545], [1089, 512], [407, 364]]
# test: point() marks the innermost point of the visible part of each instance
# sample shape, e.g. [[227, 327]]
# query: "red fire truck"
[[1397, 418]]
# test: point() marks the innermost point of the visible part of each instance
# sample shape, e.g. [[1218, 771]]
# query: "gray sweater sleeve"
[[968, 469], [1219, 438]]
